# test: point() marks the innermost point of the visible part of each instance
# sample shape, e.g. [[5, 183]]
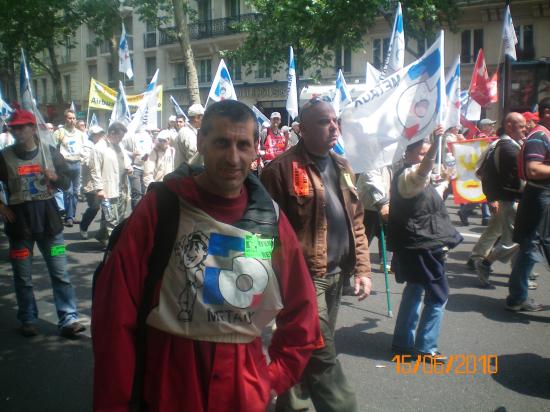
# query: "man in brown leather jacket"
[[316, 190]]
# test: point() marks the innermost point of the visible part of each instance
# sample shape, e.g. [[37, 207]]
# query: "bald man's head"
[[515, 126]]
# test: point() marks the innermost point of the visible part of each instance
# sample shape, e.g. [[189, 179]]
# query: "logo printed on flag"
[[222, 86], [395, 59]]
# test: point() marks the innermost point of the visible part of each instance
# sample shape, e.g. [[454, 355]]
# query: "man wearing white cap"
[[186, 142], [96, 135], [161, 160], [275, 141]]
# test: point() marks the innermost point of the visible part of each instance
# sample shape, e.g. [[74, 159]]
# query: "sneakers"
[[532, 285], [527, 306], [71, 331], [348, 291], [463, 218], [483, 270], [69, 223], [503, 253], [436, 355], [28, 330], [83, 234]]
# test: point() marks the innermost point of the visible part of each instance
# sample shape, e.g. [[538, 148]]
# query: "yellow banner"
[[103, 97]]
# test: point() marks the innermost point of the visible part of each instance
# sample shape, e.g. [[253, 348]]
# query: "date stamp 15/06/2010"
[[456, 364]]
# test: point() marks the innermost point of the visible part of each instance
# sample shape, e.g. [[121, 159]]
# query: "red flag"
[[493, 87], [480, 88]]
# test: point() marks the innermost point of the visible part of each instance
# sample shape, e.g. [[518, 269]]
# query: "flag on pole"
[[509, 38], [28, 103], [480, 89], [222, 86], [452, 89], [470, 109], [179, 111], [93, 121], [292, 91], [342, 95], [121, 111], [5, 108], [260, 117], [400, 110], [395, 59], [124, 60], [146, 113], [372, 76]]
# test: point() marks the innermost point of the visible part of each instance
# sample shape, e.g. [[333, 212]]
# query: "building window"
[[92, 70], [205, 11], [234, 66], [67, 86], [263, 72], [342, 59], [380, 49], [150, 68], [205, 71], [35, 89], [232, 8], [180, 78], [526, 44], [472, 41]]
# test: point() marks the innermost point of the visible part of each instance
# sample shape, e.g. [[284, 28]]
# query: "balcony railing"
[[208, 28], [91, 50]]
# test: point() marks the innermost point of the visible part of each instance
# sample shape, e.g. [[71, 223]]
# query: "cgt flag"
[[124, 59], [401, 109], [222, 86], [342, 95], [179, 111], [121, 110], [260, 117], [480, 87]]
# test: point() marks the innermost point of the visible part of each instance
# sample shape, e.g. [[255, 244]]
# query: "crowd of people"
[[214, 254]]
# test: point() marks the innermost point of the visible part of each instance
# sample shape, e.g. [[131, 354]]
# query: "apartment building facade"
[[480, 26]]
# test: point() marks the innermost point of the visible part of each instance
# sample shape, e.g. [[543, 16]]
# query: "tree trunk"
[[180, 17], [56, 76], [114, 61]]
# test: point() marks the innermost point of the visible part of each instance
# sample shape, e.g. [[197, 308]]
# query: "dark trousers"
[[323, 382], [137, 187], [93, 207], [70, 196]]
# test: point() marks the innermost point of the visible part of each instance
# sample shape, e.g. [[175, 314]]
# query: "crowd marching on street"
[[227, 223]]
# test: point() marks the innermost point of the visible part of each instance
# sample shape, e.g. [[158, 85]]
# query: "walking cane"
[[384, 263]]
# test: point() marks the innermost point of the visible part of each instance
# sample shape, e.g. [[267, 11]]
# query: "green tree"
[[159, 13], [317, 27], [38, 27]]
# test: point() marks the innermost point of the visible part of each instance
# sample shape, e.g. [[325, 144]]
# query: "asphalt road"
[[49, 373]]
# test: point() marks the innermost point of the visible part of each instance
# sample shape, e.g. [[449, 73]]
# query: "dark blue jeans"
[[70, 196], [53, 251], [93, 207]]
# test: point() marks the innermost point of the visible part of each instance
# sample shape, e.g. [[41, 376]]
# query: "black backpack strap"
[[165, 235]]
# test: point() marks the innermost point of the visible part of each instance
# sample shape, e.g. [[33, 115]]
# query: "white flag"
[[121, 111], [124, 60], [222, 86], [342, 95], [260, 117], [5, 108], [143, 116], [395, 60], [72, 107], [452, 117], [292, 91], [509, 37], [372, 76], [400, 110], [179, 111]]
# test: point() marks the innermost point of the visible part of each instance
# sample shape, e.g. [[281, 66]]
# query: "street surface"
[[49, 373]]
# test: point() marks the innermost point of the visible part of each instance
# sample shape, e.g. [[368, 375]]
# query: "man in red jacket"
[[235, 266]]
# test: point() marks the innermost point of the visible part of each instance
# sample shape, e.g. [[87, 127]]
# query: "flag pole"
[[507, 76]]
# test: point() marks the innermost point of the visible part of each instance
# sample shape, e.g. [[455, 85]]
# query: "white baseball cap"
[[172, 118], [95, 129], [164, 135], [195, 110], [275, 114]]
